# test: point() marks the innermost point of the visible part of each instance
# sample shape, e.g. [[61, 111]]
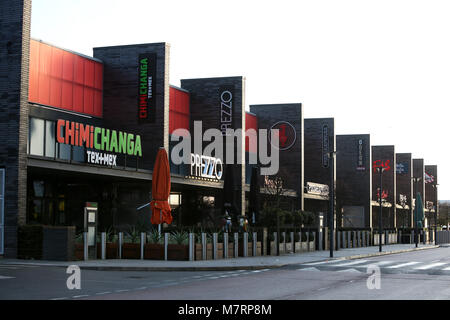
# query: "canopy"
[[161, 190]]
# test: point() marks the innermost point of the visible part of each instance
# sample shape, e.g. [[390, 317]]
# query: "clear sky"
[[379, 67]]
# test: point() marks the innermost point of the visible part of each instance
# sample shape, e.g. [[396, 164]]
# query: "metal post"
[[292, 242], [386, 237], [349, 239], [245, 251], [307, 241], [225, 245], [120, 244], [314, 236], [214, 246], [338, 240], [191, 246], [255, 240], [320, 237], [275, 239], [363, 239], [85, 246], [143, 238], [166, 245], [236, 245], [331, 215], [300, 240], [380, 224], [284, 241], [103, 245], [203, 246]]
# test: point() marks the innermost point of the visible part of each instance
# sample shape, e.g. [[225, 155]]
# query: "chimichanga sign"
[[147, 81]]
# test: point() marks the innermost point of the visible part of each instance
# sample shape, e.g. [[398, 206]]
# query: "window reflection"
[[37, 137]]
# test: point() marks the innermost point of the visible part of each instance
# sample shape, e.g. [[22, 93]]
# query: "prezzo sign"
[[147, 75], [206, 167], [360, 161], [99, 139], [226, 109], [325, 146], [316, 188]]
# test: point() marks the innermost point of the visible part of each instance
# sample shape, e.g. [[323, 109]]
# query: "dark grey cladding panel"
[[316, 161], [216, 102], [291, 160], [120, 95], [384, 155], [404, 174], [430, 188], [353, 173], [419, 172]]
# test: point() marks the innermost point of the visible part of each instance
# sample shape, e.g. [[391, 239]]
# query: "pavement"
[[241, 263]]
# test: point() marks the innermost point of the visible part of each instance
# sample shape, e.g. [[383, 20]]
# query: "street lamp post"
[[331, 197], [416, 234], [435, 212], [380, 223]]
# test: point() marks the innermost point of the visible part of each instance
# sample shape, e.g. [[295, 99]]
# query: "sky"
[[378, 67]]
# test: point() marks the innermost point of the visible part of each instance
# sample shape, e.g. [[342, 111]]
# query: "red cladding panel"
[[251, 122], [179, 112], [66, 80]]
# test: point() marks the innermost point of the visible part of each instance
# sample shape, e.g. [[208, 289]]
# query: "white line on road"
[[64, 298], [102, 293], [446, 269], [350, 270], [349, 263], [124, 290], [80, 296], [429, 266], [321, 262], [5, 277], [308, 269], [406, 264]]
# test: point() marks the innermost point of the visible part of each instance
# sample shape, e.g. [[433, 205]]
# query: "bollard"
[[245, 251], [292, 242], [103, 246], [236, 245], [143, 238], [358, 239], [85, 246], [314, 236], [225, 245], [320, 239], [214, 246], [255, 240], [349, 239], [364, 239], [338, 240], [203, 246], [354, 239], [284, 241], [120, 244], [411, 238], [275, 240], [166, 245], [386, 237], [191, 246], [300, 240], [307, 241]]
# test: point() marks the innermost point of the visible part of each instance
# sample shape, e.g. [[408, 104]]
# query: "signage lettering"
[[316, 188], [146, 75], [226, 110], [402, 168], [381, 164], [360, 162], [325, 147], [206, 167]]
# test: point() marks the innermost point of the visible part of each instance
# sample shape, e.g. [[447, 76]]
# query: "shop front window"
[[50, 141], [37, 137]]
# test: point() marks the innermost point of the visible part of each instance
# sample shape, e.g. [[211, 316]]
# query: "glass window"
[[37, 136], [38, 187], [78, 154], [64, 151], [50, 140]]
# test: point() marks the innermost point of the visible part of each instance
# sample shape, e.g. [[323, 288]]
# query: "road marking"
[[429, 266], [350, 270], [309, 269], [80, 296], [102, 293], [349, 263], [446, 269], [8, 268], [141, 288], [376, 263], [64, 298], [406, 264], [5, 277], [321, 262]]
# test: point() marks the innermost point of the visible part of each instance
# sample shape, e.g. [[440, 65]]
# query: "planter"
[[273, 248], [312, 246], [304, 247], [219, 250], [112, 250], [249, 249], [154, 251], [198, 251], [289, 247], [282, 248], [230, 250], [131, 251], [179, 252], [79, 251], [209, 251], [298, 247], [258, 248]]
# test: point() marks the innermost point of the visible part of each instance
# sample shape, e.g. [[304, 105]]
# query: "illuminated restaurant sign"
[[316, 188], [206, 167], [99, 139], [146, 80], [325, 147], [226, 109], [381, 164], [361, 159]]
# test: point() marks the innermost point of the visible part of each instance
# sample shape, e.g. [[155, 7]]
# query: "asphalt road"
[[414, 275]]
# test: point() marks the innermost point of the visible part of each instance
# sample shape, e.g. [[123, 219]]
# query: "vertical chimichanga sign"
[[147, 85]]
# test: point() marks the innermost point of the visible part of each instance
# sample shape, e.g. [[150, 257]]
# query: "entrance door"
[[2, 210]]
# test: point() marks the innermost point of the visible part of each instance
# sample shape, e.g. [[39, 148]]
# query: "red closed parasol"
[[161, 189]]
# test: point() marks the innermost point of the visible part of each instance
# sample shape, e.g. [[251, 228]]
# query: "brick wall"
[[15, 17]]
